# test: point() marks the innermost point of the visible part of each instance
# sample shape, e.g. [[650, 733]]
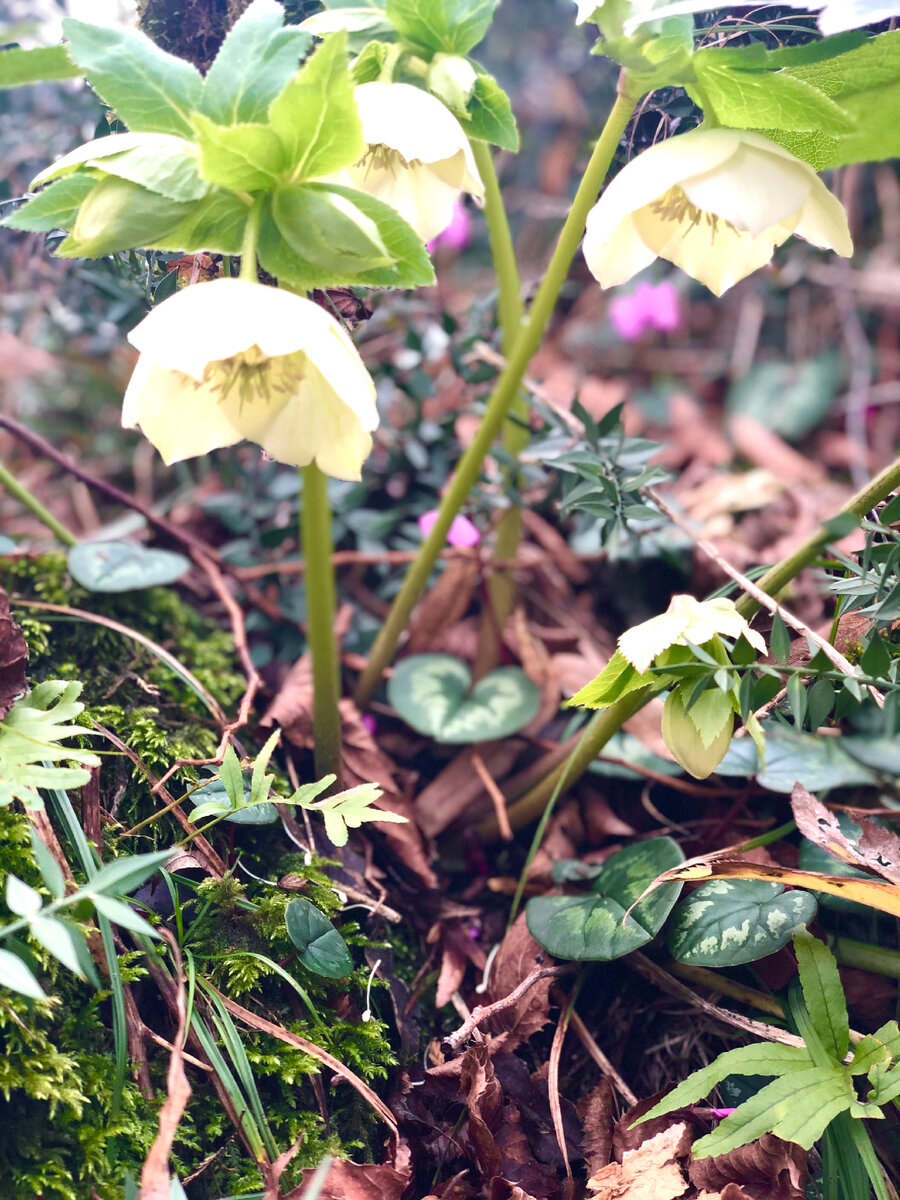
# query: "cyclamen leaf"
[[123, 566], [823, 993], [322, 949], [732, 921], [257, 58], [151, 91]]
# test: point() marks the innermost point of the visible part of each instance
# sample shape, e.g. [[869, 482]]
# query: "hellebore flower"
[[232, 359], [419, 158], [685, 620], [647, 307], [716, 202]]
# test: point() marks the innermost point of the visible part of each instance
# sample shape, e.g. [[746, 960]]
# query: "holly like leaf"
[[164, 164], [871, 892], [727, 922], [256, 60], [123, 566], [151, 91], [315, 115], [54, 207], [773, 99], [596, 926], [453, 26], [350, 809], [617, 679], [433, 693], [322, 949], [18, 66], [244, 158]]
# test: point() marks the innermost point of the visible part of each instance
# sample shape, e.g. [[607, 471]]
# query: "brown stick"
[[484, 1012]]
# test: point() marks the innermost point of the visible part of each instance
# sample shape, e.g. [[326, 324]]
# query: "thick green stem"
[[501, 591], [316, 543], [31, 502], [504, 394], [867, 957], [249, 269], [604, 724]]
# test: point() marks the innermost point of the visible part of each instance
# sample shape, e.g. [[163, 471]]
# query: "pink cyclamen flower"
[[461, 532], [369, 723], [458, 233], [647, 307]]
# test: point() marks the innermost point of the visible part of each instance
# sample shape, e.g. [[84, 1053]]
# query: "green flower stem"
[[316, 543], [249, 269], [31, 502], [505, 392], [501, 591], [608, 721], [867, 957]]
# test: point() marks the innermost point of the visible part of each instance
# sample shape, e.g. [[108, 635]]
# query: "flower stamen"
[[251, 374], [674, 206]]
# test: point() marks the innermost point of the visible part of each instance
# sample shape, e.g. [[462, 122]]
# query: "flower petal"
[[614, 254], [181, 419], [418, 192], [752, 190], [824, 222]]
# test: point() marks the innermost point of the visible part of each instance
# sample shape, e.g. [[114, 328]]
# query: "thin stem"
[[604, 724], [504, 394], [315, 538], [501, 592], [249, 269], [31, 502]]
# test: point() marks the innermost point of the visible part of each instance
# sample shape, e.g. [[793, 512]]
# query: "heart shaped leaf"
[[123, 566], [433, 693], [595, 926], [322, 949], [731, 921]]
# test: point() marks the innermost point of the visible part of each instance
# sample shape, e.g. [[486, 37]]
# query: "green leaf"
[[21, 899], [865, 84], [365, 19], [816, 762], [230, 797], [123, 566], [872, 1050], [350, 809], [16, 976], [257, 58], [454, 26], [260, 782], [792, 398], [50, 870], [18, 66], [165, 164], [616, 680], [123, 875], [595, 926], [216, 225], [329, 230], [29, 738], [118, 215], [490, 116], [59, 939], [774, 99], [121, 914], [315, 115], [689, 744], [823, 993], [232, 778], [434, 694], [151, 91], [56, 207], [797, 1107], [282, 251], [244, 158], [730, 921], [761, 1058], [322, 949]]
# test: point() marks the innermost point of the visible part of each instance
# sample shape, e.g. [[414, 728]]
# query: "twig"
[[497, 798], [553, 1096], [484, 1012], [762, 598], [583, 1034]]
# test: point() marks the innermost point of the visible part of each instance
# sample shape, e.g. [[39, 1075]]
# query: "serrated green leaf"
[[350, 809], [16, 976], [329, 230], [315, 115], [761, 1058], [55, 207], [617, 679], [215, 225], [730, 921], [490, 117], [322, 949], [798, 1107], [244, 158], [30, 735], [596, 927], [151, 91], [18, 66], [774, 99], [453, 26], [158, 161], [118, 215], [410, 265], [868, 1053], [823, 993], [257, 58]]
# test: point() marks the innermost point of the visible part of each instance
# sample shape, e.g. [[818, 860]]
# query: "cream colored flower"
[[231, 359], [716, 202], [419, 158], [685, 620]]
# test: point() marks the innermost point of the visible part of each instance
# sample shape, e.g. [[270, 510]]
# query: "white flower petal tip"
[[685, 620], [228, 360], [716, 203], [419, 158]]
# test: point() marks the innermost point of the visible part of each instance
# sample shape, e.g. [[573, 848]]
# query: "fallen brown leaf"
[[443, 605], [13, 655], [877, 850], [357, 1181], [516, 959], [650, 1172], [596, 1112], [767, 1169]]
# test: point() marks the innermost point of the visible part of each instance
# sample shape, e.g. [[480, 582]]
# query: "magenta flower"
[[457, 234], [461, 533], [647, 307]]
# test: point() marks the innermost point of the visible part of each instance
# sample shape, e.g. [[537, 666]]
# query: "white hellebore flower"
[[231, 359], [419, 158], [716, 202], [685, 620]]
